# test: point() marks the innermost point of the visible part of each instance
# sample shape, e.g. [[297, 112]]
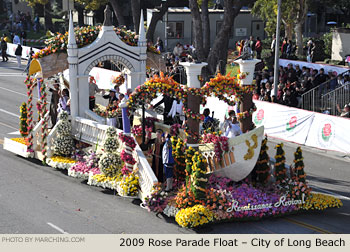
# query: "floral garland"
[[44, 123], [137, 130], [30, 88], [85, 36], [119, 80], [148, 91], [199, 180], [175, 129], [179, 156], [220, 143], [246, 114], [221, 86], [126, 155], [23, 126]]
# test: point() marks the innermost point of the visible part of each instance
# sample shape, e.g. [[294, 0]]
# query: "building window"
[[258, 27], [176, 30], [218, 27]]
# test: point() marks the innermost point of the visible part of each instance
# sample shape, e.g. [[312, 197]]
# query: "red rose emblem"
[[260, 114], [293, 122], [327, 129]]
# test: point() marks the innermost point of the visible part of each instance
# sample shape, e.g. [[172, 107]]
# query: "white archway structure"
[[107, 46]]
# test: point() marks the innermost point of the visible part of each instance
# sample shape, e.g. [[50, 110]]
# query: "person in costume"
[[168, 162]]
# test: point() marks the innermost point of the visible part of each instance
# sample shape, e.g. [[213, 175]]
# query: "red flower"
[[260, 114], [293, 122], [327, 129]]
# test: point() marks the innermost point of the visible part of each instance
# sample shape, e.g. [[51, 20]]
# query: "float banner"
[[327, 68], [330, 133], [11, 49], [283, 122]]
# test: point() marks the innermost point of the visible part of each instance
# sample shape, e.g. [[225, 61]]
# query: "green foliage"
[[92, 4], [280, 172], [199, 178], [23, 126], [299, 166], [267, 11], [262, 168], [327, 39], [32, 3], [179, 155], [189, 154]]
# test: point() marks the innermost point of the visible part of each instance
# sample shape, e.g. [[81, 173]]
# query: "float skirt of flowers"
[[100, 180], [61, 162]]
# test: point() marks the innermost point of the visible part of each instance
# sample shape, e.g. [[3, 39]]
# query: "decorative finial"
[[142, 34], [108, 16], [71, 35]]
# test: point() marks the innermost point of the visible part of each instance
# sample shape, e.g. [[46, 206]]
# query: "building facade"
[[180, 28]]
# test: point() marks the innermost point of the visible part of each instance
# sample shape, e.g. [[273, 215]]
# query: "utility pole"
[[277, 51]]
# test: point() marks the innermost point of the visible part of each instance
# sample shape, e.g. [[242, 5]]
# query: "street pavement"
[[38, 199]]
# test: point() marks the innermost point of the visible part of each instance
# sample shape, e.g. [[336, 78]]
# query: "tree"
[[299, 166], [47, 11], [217, 56], [157, 16], [293, 14], [136, 11], [262, 167], [280, 172]]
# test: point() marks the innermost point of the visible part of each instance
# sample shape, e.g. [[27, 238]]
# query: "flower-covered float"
[[201, 198]]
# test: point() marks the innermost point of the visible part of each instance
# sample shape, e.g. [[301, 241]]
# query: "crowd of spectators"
[[293, 82]]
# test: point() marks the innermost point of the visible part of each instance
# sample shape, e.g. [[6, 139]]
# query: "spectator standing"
[[258, 48], [24, 37], [273, 44], [18, 54], [159, 45], [178, 50], [252, 44], [16, 39], [284, 49], [289, 50], [4, 49]]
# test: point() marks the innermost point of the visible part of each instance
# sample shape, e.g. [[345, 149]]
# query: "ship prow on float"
[[241, 158]]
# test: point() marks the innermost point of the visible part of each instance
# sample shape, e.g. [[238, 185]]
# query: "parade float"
[[216, 179]]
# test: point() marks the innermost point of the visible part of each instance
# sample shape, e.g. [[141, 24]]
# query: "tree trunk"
[[136, 11], [155, 18], [300, 19], [206, 28], [299, 38], [197, 29], [48, 16], [118, 11], [218, 54], [80, 10]]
